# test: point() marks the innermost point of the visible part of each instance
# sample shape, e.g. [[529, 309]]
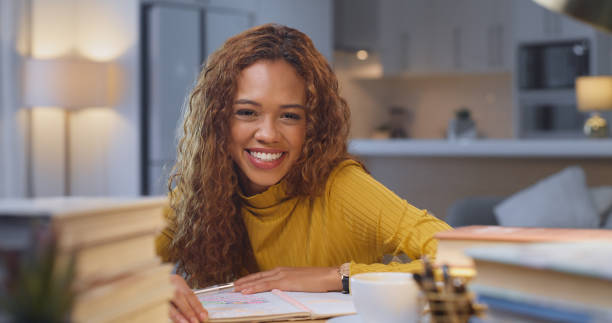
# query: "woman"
[[266, 192]]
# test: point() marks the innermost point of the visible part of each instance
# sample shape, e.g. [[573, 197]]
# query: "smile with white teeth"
[[265, 156]]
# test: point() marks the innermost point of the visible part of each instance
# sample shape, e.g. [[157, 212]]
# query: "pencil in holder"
[[449, 300]]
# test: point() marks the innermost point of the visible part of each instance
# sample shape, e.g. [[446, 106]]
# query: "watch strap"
[[344, 270], [345, 285]]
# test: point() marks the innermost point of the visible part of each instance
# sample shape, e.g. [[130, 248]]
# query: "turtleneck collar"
[[273, 196]]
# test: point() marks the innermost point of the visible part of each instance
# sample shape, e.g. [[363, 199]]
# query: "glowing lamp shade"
[[593, 94], [68, 83]]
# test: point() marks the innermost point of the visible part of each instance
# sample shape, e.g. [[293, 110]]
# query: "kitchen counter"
[[572, 148]]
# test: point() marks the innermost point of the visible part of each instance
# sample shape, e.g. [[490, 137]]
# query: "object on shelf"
[[462, 126], [394, 128], [593, 94], [398, 116], [596, 126], [382, 132]]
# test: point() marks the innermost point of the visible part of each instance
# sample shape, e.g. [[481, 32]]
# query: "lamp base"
[[596, 126]]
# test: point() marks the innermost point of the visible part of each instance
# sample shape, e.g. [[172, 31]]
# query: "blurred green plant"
[[39, 287]]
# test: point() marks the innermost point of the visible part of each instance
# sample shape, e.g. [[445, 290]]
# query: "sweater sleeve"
[[164, 238], [377, 218]]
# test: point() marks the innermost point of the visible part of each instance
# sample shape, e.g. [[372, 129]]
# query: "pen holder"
[[448, 298], [451, 307]]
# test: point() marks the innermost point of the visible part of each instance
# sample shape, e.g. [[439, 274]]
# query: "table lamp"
[[68, 83], [594, 94]]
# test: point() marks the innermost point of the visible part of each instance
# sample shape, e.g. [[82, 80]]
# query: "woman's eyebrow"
[[247, 101], [291, 106], [284, 106]]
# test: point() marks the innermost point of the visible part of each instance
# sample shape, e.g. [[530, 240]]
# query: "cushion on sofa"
[[608, 224], [602, 200], [560, 200], [473, 211]]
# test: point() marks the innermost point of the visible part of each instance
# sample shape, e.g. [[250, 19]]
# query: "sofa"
[[560, 200]]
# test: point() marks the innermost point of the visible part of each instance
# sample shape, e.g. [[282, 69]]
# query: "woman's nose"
[[267, 131]]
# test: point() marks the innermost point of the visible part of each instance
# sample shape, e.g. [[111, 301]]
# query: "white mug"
[[388, 297]]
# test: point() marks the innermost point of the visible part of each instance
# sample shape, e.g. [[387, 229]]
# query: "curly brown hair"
[[211, 243]]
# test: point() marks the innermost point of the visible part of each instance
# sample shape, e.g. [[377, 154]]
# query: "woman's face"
[[268, 124]]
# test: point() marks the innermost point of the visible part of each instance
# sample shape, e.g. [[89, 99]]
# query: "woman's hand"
[[185, 306], [294, 279]]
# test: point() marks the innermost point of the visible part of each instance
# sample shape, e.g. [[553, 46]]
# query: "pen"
[[214, 288]]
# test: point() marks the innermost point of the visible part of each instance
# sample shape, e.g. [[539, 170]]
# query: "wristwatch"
[[344, 271]]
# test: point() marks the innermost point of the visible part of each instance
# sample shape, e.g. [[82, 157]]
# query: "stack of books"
[[452, 244], [551, 282], [118, 278]]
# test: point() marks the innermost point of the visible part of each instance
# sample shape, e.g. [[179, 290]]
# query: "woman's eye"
[[245, 112], [292, 116]]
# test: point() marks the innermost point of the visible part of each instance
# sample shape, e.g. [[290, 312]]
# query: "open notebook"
[[228, 306]]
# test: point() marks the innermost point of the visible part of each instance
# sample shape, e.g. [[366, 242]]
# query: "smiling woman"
[[266, 195], [269, 124]]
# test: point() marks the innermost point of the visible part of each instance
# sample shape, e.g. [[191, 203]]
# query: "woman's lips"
[[265, 164]]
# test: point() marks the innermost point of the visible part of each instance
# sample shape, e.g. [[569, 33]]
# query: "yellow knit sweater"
[[356, 220]]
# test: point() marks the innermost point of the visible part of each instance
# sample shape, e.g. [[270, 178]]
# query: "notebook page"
[[325, 304], [231, 305]]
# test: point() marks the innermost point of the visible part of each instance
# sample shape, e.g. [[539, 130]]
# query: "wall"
[[432, 102], [107, 141], [13, 121]]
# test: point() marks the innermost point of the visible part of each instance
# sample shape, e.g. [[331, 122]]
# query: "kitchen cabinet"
[[551, 112], [220, 24], [535, 23], [243, 5], [171, 66], [439, 36], [355, 25], [312, 17], [486, 41], [446, 48], [405, 36]]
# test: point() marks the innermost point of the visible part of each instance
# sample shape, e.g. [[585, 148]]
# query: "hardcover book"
[[515, 306], [572, 272], [452, 244]]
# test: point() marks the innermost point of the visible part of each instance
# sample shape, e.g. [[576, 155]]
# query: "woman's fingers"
[[262, 279], [257, 276], [266, 283], [185, 309], [185, 303], [176, 316], [305, 279], [197, 307], [260, 286]]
